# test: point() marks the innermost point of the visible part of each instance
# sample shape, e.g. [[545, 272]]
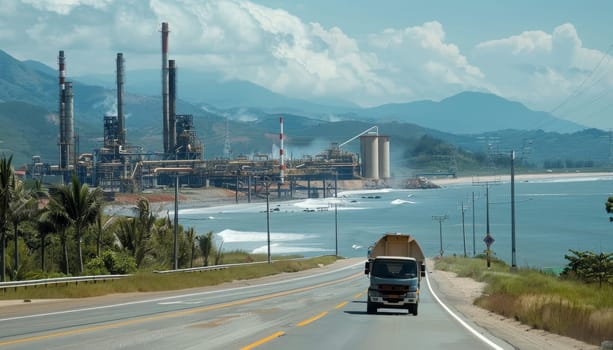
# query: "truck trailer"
[[395, 266]]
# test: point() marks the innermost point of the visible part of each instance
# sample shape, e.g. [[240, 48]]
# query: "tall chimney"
[[62, 110], [172, 103], [165, 120], [69, 128], [120, 116]]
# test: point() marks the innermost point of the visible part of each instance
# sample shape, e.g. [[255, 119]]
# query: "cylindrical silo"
[[384, 157], [369, 147]]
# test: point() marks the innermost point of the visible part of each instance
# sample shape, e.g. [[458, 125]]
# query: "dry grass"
[[574, 309]]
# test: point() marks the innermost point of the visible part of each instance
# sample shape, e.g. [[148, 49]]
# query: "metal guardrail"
[[220, 267], [61, 280], [4, 286]]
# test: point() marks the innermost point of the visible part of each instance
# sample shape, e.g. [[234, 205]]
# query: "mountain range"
[[245, 115]]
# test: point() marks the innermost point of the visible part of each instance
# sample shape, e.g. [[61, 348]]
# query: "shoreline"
[[466, 180], [215, 197]]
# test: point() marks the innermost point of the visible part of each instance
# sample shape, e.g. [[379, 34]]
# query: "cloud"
[[547, 71], [286, 54], [64, 7], [423, 61]]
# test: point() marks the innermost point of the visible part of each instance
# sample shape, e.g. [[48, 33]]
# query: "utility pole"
[[175, 260], [474, 242], [513, 261], [336, 228], [268, 218], [463, 229], [440, 219]]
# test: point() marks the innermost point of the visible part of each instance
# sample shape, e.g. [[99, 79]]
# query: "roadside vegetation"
[[65, 231], [154, 282], [577, 304]]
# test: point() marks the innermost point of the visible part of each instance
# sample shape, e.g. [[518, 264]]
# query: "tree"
[[45, 228], [56, 217], [190, 237], [590, 267], [6, 174], [21, 207], [609, 207], [206, 245], [101, 225], [80, 206]]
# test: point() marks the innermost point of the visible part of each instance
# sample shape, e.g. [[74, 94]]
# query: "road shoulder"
[[459, 293]]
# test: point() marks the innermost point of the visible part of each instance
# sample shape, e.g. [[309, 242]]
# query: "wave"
[[233, 236], [401, 201], [277, 248], [360, 192]]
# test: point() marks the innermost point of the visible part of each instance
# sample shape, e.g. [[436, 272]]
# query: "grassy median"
[[566, 307], [154, 282]]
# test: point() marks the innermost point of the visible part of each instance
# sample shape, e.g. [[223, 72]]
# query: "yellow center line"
[[263, 340], [314, 318], [172, 314], [340, 305], [357, 296]]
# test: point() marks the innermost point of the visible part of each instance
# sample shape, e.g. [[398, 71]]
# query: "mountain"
[[247, 116], [212, 89], [471, 113]]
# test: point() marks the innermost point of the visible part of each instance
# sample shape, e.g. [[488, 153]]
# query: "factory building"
[[118, 166]]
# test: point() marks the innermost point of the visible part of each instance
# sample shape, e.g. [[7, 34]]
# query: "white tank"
[[369, 149], [384, 157]]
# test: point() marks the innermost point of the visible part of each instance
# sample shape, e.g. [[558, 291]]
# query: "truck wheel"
[[371, 308], [413, 309]]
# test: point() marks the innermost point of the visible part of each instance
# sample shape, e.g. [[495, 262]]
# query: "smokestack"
[[65, 113], [172, 102], [120, 116], [281, 153], [66, 127], [165, 120]]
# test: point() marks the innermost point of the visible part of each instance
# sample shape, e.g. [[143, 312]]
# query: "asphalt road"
[[317, 311]]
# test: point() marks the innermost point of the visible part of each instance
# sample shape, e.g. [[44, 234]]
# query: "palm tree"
[[80, 206], [190, 237], [101, 226], [45, 228], [6, 173], [206, 245], [21, 208]]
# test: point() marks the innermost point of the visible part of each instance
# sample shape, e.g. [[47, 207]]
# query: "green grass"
[[152, 282], [571, 308]]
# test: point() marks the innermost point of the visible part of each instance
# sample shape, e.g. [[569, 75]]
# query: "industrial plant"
[[118, 166]]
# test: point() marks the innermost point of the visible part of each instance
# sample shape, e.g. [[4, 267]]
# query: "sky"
[[551, 55]]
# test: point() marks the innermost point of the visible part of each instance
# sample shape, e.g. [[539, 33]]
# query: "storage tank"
[[384, 157], [369, 150]]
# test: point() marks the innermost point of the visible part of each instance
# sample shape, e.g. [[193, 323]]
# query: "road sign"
[[489, 240]]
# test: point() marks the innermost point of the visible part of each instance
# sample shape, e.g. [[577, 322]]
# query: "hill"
[[470, 121], [471, 113]]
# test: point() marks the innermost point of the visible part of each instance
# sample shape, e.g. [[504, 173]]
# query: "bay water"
[[551, 217]]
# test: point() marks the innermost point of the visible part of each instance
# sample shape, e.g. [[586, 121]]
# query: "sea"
[[552, 216]]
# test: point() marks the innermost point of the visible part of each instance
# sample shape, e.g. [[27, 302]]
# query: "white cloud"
[[421, 61], [548, 71], [64, 7], [282, 52]]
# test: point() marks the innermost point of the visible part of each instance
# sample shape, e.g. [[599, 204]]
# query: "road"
[[325, 311]]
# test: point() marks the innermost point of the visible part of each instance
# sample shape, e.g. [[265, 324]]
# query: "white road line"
[[166, 299], [464, 324]]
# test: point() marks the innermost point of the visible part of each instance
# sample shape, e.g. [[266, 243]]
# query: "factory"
[[118, 166]]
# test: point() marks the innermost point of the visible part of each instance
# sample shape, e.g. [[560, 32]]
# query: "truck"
[[395, 266]]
